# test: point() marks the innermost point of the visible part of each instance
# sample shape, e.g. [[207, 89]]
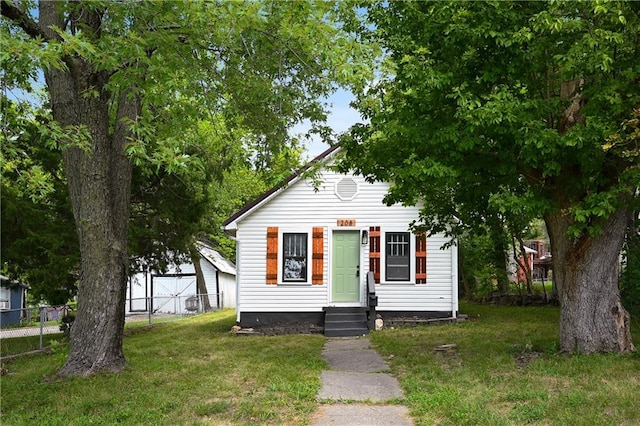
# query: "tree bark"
[[99, 183], [500, 255], [99, 179], [200, 283], [586, 271]]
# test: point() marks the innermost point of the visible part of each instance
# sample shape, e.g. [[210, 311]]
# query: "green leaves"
[[59, 137], [189, 92], [516, 99], [39, 243]]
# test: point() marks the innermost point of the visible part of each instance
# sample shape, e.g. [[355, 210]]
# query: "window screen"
[[294, 257], [397, 256]]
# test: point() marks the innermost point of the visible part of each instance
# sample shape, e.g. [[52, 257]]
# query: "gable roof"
[[230, 225]]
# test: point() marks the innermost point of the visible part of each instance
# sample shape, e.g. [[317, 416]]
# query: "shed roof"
[[216, 259], [8, 282]]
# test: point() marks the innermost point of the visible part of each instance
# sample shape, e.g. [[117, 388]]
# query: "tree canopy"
[[128, 86], [39, 244], [514, 110]]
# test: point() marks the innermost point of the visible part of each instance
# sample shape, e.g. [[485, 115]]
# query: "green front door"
[[345, 267]]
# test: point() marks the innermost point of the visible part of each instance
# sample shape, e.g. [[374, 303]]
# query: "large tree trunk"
[[500, 254], [200, 282], [586, 271], [99, 184], [99, 180]]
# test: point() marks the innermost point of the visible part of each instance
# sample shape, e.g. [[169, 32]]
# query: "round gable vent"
[[346, 189]]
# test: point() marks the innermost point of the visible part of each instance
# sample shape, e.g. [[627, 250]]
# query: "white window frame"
[[5, 298], [383, 257], [309, 257]]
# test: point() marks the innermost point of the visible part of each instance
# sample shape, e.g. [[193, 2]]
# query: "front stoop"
[[345, 322]]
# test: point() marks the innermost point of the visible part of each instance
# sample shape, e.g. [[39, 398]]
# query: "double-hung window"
[[294, 257], [5, 297], [397, 256]]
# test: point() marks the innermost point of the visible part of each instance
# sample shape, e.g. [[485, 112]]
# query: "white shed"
[[312, 254], [169, 292]]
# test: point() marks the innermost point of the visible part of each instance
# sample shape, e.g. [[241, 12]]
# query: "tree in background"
[[170, 210], [630, 279], [126, 80], [39, 242], [626, 142], [490, 108]]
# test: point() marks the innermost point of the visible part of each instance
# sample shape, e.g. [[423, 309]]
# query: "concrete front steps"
[[345, 322]]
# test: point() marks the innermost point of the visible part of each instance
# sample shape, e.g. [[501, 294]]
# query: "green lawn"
[[181, 373], [504, 371], [20, 345]]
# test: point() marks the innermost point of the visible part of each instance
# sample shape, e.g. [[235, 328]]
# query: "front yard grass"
[[504, 370], [20, 345], [182, 373]]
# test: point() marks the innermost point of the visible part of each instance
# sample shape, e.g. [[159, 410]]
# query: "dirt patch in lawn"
[[280, 329]]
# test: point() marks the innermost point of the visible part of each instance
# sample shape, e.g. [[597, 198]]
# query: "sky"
[[340, 118]]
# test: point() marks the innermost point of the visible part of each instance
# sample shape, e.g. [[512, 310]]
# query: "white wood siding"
[[209, 273], [228, 289], [298, 208]]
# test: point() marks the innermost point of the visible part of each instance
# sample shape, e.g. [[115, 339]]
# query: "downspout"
[[238, 278], [146, 288], [454, 281]]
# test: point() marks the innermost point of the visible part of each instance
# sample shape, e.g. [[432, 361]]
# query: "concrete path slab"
[[347, 343], [362, 415], [365, 360], [357, 386], [356, 375]]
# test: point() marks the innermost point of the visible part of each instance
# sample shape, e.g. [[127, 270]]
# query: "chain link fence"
[[32, 329]]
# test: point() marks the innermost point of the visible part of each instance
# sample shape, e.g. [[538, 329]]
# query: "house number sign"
[[346, 222]]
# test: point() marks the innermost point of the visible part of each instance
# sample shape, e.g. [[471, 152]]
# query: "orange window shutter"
[[318, 256], [421, 258], [272, 255], [374, 252]]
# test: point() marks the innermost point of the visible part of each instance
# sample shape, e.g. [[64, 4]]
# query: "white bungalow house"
[[175, 291], [334, 255]]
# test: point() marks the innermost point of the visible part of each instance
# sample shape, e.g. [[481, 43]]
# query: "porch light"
[[365, 237]]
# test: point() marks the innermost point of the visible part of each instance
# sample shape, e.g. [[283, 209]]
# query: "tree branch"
[[272, 37], [19, 17]]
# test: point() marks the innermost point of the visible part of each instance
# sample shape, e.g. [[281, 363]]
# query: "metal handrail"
[[371, 284], [372, 300]]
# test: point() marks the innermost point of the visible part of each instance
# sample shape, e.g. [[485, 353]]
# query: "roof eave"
[[231, 224]]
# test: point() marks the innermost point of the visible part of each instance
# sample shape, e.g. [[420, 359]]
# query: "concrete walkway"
[[356, 390]]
